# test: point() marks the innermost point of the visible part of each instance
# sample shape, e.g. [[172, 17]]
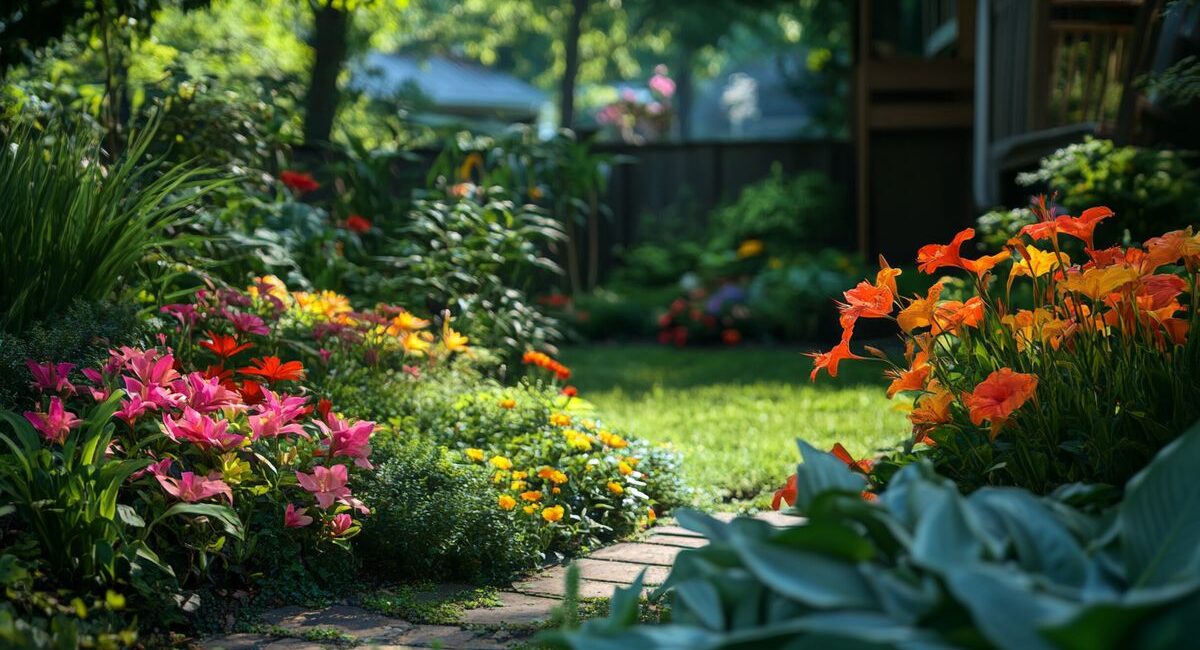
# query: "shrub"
[[928, 567], [436, 517], [1149, 190], [72, 227], [1086, 382], [785, 215]]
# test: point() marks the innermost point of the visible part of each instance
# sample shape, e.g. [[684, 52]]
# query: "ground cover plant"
[[926, 566], [1084, 381], [730, 413]]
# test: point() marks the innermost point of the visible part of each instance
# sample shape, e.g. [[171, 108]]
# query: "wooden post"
[[861, 132]]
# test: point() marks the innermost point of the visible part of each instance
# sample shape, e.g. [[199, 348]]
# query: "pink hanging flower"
[[327, 484], [247, 323], [295, 518], [201, 430], [56, 423], [344, 439], [340, 524], [191, 488], [51, 377], [277, 417]]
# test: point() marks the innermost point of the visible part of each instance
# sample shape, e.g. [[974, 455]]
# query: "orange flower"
[[829, 361], [951, 316], [912, 379], [271, 369], [1172, 246], [931, 409], [1037, 325], [886, 277], [996, 397], [1117, 255], [864, 466], [867, 301], [1161, 289], [508, 403], [1084, 226], [223, 346], [919, 313], [785, 494], [985, 263], [934, 256]]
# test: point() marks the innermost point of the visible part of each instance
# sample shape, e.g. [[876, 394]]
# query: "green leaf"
[[827, 539], [1042, 543], [813, 579], [1160, 517], [702, 599], [822, 472], [224, 515], [1005, 606]]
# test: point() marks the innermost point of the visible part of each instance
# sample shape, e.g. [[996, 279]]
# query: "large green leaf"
[[1160, 517], [1005, 606], [822, 472], [1042, 543], [813, 579]]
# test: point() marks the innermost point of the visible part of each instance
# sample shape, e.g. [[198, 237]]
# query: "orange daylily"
[[1037, 325], [1084, 226], [912, 379], [829, 361], [934, 256], [886, 277], [998, 396], [864, 466], [931, 409], [985, 263], [785, 494], [1172, 246], [405, 321], [1096, 283], [951, 316], [867, 301], [919, 312]]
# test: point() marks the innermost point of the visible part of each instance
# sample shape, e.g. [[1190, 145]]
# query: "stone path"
[[524, 608]]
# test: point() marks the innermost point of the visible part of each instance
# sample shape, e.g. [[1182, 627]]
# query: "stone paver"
[[639, 553], [676, 540], [678, 531], [236, 642], [359, 623], [553, 583], [449, 637], [515, 609], [620, 572]]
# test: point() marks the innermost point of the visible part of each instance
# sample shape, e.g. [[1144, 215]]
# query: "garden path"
[[525, 607]]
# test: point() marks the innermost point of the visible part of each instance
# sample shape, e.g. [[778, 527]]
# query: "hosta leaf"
[[1160, 517], [822, 472], [1005, 606], [702, 599], [947, 533], [1042, 543], [813, 579]]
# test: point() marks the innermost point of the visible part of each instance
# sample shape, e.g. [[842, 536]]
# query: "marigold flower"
[[531, 495], [560, 419], [506, 502], [500, 462], [996, 397], [624, 468], [531, 508], [750, 248], [272, 369], [553, 514], [508, 403], [616, 488]]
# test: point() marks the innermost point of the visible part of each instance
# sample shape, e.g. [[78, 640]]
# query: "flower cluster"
[[547, 363], [704, 317], [1057, 368]]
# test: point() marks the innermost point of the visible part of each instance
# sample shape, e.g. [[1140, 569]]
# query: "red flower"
[[223, 346], [731, 336], [934, 256], [251, 392], [865, 465], [787, 493], [356, 223], [272, 369], [570, 391], [324, 406], [299, 182]]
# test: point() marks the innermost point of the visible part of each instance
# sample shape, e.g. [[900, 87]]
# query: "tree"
[[329, 42], [571, 63]]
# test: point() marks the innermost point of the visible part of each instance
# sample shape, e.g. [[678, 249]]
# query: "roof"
[[449, 85]]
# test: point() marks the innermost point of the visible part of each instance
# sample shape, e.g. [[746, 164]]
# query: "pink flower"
[[133, 408], [662, 85], [293, 518], [96, 377], [353, 441], [206, 395], [160, 468], [247, 323], [201, 430], [325, 355], [192, 488], [276, 417], [340, 524], [51, 377], [327, 484], [55, 424], [151, 368], [156, 396], [185, 313]]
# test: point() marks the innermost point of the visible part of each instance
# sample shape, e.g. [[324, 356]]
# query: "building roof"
[[449, 85]]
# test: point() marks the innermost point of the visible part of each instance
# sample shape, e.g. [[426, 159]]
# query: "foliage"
[[1150, 190], [785, 215], [994, 229], [699, 317], [928, 567], [436, 517], [71, 227], [791, 301], [1085, 382], [82, 336], [416, 603], [36, 619], [728, 412]]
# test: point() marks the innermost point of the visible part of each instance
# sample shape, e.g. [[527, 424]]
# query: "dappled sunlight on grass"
[[735, 414]]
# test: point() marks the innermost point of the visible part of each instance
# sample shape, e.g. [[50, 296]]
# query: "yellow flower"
[[530, 509], [517, 485], [560, 419], [1040, 263], [475, 454], [558, 478], [414, 343], [506, 502], [624, 468], [580, 441], [1037, 325], [532, 495], [612, 440], [233, 468], [274, 286], [750, 248], [453, 341], [1097, 283], [590, 425], [556, 490], [650, 516], [519, 475], [500, 462], [498, 477], [615, 488], [508, 403], [553, 514]]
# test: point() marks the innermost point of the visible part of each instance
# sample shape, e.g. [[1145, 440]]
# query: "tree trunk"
[[571, 69], [329, 45], [683, 94]]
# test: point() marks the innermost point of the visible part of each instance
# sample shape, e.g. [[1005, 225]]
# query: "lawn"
[[734, 414]]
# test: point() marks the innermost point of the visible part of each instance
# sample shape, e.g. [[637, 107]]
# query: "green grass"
[[734, 414]]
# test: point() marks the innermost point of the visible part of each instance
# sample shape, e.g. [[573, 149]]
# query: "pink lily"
[[201, 430], [51, 377], [295, 518], [327, 484], [276, 417], [191, 488], [206, 395], [157, 396], [133, 408], [353, 441], [97, 378], [185, 313], [340, 524], [56, 423], [159, 468], [151, 368]]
